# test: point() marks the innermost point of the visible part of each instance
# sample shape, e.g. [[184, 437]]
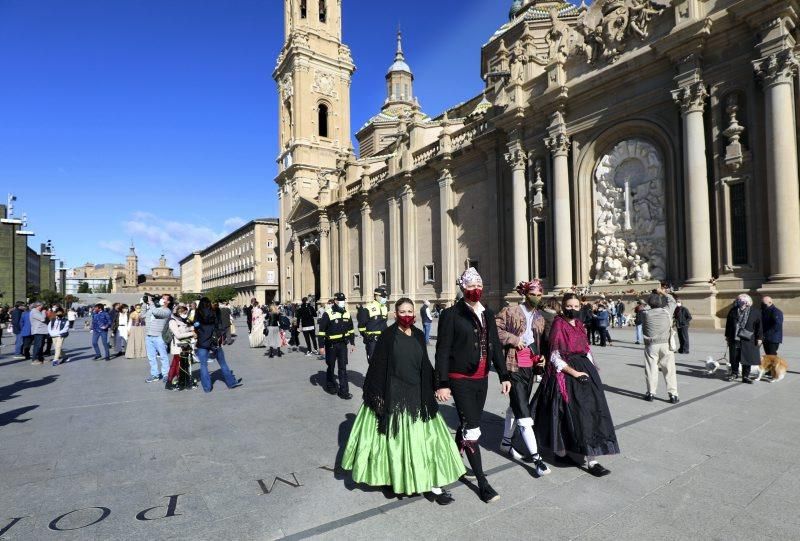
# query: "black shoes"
[[747, 380], [345, 396], [237, 385], [673, 398], [487, 493], [597, 470], [96, 358], [733, 376], [445, 498], [648, 397]]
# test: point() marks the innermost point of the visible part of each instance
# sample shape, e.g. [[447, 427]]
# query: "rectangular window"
[[428, 274], [382, 278], [739, 223], [541, 242], [270, 244], [323, 11], [356, 281], [303, 9]]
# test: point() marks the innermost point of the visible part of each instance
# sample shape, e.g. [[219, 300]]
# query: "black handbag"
[[744, 334]]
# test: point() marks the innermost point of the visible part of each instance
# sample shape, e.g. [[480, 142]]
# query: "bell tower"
[[132, 268]]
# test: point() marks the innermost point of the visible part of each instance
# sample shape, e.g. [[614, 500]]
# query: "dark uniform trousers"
[[336, 355]]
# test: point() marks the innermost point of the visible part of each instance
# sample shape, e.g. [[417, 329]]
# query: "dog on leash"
[[773, 364]]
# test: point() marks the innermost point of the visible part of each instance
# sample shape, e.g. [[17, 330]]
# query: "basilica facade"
[[614, 146]]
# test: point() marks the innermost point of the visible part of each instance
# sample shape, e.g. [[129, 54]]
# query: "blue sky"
[[156, 119]]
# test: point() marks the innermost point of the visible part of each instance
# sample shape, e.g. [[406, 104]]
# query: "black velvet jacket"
[[458, 348]]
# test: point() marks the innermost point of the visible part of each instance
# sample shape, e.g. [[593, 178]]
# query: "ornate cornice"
[[691, 98], [778, 68]]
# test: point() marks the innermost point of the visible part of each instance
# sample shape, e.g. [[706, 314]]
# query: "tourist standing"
[[772, 324], [121, 334], [620, 313], [682, 319], [135, 348], [744, 335], [466, 343], [602, 321], [398, 438], [72, 316], [306, 316], [426, 317], [180, 348], [58, 329], [588, 320], [248, 312], [521, 332], [570, 412], [207, 325], [336, 333], [38, 331], [656, 326], [372, 320], [112, 335], [638, 320], [272, 331], [101, 322], [256, 325], [155, 317], [16, 327], [27, 337]]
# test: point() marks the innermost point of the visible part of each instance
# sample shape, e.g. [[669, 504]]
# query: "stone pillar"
[[344, 253], [447, 272], [366, 251], [409, 240], [324, 256], [691, 98], [395, 272], [562, 214], [297, 286], [517, 159], [334, 246], [783, 199]]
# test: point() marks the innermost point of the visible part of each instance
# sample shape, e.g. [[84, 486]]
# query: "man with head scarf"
[[521, 332], [467, 342]]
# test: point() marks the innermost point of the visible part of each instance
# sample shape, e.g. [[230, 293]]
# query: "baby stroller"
[[180, 370]]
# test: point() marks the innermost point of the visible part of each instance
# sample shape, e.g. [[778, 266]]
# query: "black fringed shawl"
[[387, 400]]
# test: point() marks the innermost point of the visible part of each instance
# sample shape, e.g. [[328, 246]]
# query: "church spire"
[[400, 64]]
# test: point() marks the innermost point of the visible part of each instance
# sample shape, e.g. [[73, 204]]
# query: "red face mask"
[[406, 321], [473, 295]]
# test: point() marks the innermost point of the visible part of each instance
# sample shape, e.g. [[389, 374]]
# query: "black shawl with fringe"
[[387, 400]]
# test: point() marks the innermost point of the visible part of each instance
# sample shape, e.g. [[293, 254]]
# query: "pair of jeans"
[[638, 336], [38, 347], [426, 328], [27, 342], [102, 338], [205, 377], [18, 340], [154, 345]]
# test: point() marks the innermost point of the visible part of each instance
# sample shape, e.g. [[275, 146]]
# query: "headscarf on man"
[[470, 277], [532, 287]]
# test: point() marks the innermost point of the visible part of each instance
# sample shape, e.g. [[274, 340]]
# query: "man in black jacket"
[[305, 318], [682, 319], [467, 342], [248, 312]]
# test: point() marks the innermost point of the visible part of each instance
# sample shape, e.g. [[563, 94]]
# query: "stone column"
[[334, 244], [324, 256], [777, 72], [691, 98], [344, 253], [447, 272], [558, 144], [366, 251], [516, 158], [409, 240], [395, 272], [297, 286]]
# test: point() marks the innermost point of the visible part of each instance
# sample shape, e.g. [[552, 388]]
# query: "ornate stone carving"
[[558, 143], [734, 151], [691, 98], [309, 242], [537, 188], [324, 84], [286, 87], [630, 229], [778, 68], [607, 24], [515, 156], [558, 38]]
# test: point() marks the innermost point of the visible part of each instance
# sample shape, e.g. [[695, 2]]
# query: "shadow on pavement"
[[320, 379], [13, 415], [9, 391]]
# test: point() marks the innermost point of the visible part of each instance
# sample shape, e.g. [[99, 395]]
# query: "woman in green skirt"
[[398, 438]]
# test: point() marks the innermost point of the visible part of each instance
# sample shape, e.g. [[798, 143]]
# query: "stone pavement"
[[89, 451]]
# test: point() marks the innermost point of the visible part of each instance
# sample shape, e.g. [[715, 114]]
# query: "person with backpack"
[[207, 325], [58, 329]]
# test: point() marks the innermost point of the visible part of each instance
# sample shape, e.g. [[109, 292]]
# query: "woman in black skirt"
[[570, 411]]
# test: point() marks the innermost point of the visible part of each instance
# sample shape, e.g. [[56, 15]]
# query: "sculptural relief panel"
[[630, 225]]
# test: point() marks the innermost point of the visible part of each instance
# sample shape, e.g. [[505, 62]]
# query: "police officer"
[[335, 333], [372, 320]]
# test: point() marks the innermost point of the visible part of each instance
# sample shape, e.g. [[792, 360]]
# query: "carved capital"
[[776, 69], [365, 206], [445, 179], [516, 157], [407, 191], [691, 98], [324, 224], [558, 144]]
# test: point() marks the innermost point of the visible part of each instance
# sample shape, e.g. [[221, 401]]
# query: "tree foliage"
[[187, 298], [83, 287], [221, 294], [50, 297]]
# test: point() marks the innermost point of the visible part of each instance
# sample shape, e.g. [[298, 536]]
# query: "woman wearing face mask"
[[467, 342], [744, 335], [570, 412], [273, 341], [399, 439], [209, 329], [121, 336], [135, 348], [180, 369]]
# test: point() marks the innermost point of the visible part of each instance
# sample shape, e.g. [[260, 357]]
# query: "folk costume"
[[257, 324], [399, 439], [521, 332], [571, 416], [467, 342]]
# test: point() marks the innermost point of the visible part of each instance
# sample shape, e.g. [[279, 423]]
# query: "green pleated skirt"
[[421, 456]]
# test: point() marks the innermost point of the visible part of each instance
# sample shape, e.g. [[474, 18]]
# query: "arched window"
[[323, 11], [323, 120], [303, 9]]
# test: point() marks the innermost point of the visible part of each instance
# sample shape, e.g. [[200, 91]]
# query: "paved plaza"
[[89, 451]]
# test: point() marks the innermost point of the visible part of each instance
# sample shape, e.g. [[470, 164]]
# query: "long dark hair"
[[568, 297], [205, 312]]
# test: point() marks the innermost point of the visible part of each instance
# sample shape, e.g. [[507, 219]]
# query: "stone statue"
[[557, 38], [606, 25]]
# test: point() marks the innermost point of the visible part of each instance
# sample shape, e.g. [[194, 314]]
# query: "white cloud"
[[234, 223]]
